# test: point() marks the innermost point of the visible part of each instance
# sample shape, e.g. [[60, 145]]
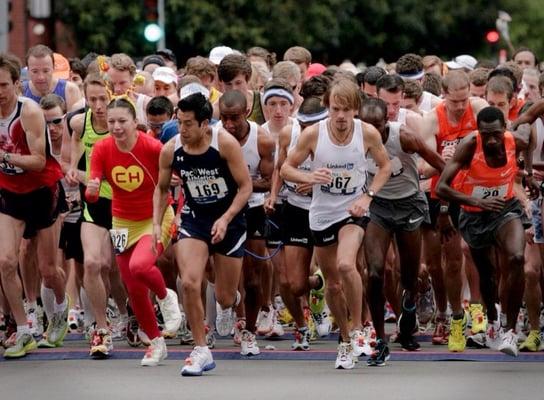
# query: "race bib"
[[482, 192], [207, 190], [10, 169], [396, 167], [119, 239], [343, 183]]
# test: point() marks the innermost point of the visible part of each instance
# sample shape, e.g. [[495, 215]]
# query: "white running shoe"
[[509, 343], [277, 329], [155, 353], [358, 343], [493, 335], [323, 323], [369, 333], [344, 359], [224, 321], [170, 313], [73, 320], [144, 338], [36, 329], [239, 327], [249, 344], [265, 321], [199, 361]]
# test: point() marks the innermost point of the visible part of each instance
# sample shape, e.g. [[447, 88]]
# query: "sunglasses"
[[156, 125], [56, 121]]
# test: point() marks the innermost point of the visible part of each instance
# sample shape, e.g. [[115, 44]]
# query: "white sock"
[[59, 308], [48, 300], [88, 311]]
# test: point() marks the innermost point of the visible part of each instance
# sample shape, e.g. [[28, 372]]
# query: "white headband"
[[278, 92], [311, 118], [412, 77]]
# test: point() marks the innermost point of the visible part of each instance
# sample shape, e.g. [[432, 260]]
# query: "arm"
[[96, 173], [160, 196], [525, 137], [73, 96], [33, 123], [266, 147], [74, 176], [65, 151], [413, 143], [284, 140], [478, 104], [429, 130], [530, 116]]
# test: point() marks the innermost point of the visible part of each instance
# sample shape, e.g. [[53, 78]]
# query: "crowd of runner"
[[238, 196]]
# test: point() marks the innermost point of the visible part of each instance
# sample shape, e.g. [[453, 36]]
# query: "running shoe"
[[358, 344], [407, 322], [239, 327], [36, 329], [369, 333], [323, 323], [478, 319], [277, 328], [310, 323], [285, 317], [409, 343], [226, 317], [101, 344], [344, 358], [144, 338], [457, 340], [199, 361], [24, 344], [210, 337], [389, 314], [380, 354], [509, 343], [249, 346], [155, 353], [132, 328], [170, 313], [532, 343], [58, 326], [73, 320], [317, 296], [493, 335], [265, 321], [302, 339], [522, 324], [44, 343], [441, 332], [119, 327], [425, 305]]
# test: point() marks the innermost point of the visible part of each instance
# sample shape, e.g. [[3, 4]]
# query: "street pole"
[[161, 44]]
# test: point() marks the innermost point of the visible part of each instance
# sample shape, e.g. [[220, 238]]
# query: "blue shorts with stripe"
[[200, 227]]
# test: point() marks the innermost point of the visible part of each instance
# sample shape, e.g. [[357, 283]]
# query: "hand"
[[92, 190], [530, 236], [532, 187], [156, 238], [321, 176], [219, 229], [175, 180], [448, 152], [445, 227], [360, 206], [72, 177], [494, 204], [304, 188], [270, 204]]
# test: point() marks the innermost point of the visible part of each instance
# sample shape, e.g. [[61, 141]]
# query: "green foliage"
[[361, 30]]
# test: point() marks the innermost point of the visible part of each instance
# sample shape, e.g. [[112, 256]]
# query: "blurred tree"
[[361, 30]]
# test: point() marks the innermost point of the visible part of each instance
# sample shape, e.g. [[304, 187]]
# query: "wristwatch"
[[371, 194], [444, 208], [6, 157]]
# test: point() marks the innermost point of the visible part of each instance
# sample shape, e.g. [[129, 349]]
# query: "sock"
[[22, 329], [48, 300], [504, 322], [32, 305], [88, 316], [458, 316], [59, 308]]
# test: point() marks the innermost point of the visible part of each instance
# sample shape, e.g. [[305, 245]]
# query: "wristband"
[[444, 209]]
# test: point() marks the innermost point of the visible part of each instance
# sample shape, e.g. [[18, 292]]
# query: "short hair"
[[412, 90], [200, 66], [298, 55], [187, 79], [371, 105], [506, 72], [159, 105], [278, 83], [343, 74], [39, 51], [258, 70], [233, 65], [432, 83], [311, 105], [122, 102], [345, 92], [12, 64], [268, 57], [94, 79], [286, 70], [535, 73], [516, 70], [233, 98], [391, 83], [490, 114], [479, 76], [500, 85], [409, 63], [199, 105], [456, 79], [431, 59], [316, 86], [123, 62], [51, 100], [521, 50], [78, 67], [372, 74]]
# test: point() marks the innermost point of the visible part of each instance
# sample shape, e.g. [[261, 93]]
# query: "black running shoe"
[[132, 329], [380, 355], [407, 320], [409, 343]]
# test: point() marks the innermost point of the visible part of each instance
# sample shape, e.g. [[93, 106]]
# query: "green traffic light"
[[152, 32]]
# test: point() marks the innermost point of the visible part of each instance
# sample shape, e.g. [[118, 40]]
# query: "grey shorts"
[[536, 218], [479, 229], [401, 214]]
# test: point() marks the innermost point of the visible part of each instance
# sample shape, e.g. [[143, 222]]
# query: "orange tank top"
[[513, 114], [482, 181], [451, 135]]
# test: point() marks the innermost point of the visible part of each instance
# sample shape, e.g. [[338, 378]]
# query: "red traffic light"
[[492, 36]]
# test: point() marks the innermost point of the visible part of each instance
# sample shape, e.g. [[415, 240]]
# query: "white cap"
[[166, 75], [463, 61], [218, 53], [193, 88]]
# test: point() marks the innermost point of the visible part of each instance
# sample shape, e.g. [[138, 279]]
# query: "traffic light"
[[492, 36], [152, 30]]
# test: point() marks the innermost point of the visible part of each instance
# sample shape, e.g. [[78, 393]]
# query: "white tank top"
[[294, 198], [401, 117], [140, 109], [330, 203], [426, 102], [250, 149], [537, 154], [282, 194]]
